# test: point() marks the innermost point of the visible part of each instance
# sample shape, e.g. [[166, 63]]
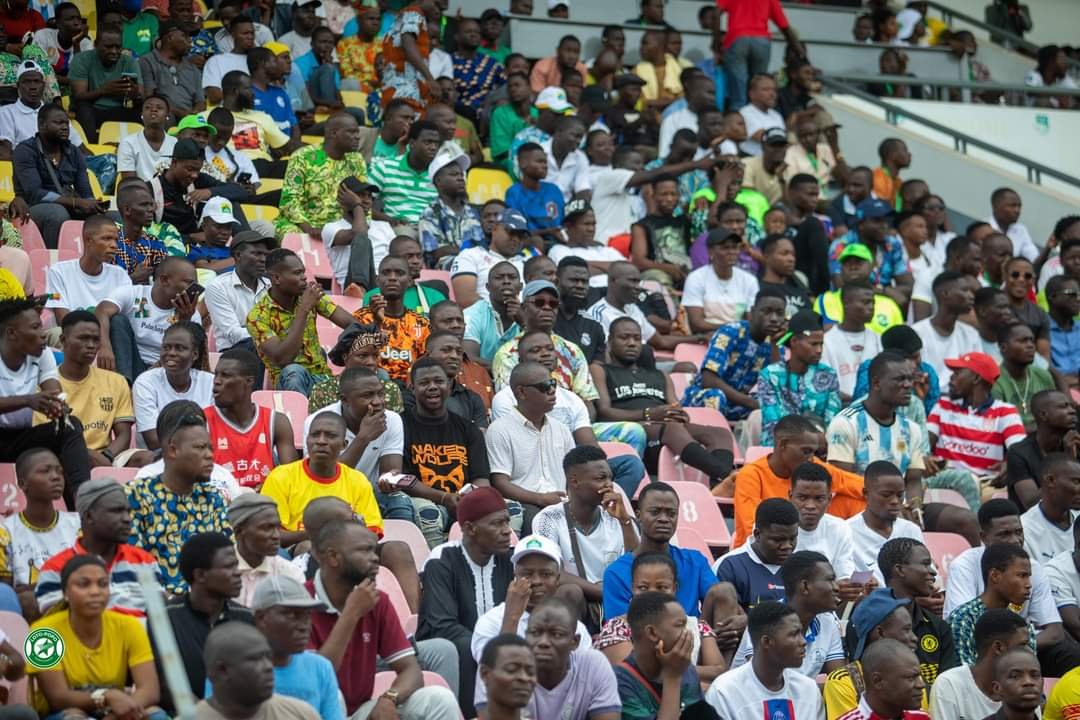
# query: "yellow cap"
[[277, 48], [10, 288]]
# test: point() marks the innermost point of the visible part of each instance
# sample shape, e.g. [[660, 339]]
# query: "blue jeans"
[[395, 505], [298, 378], [122, 337], [104, 166], [747, 57], [627, 471]]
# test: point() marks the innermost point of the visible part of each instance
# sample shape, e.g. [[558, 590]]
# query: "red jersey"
[[248, 453], [750, 18]]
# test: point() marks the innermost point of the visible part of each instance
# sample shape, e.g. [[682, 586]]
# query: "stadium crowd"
[[354, 365]]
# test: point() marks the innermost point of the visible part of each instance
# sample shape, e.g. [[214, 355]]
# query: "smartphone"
[[193, 291], [130, 76], [862, 577], [243, 178], [397, 479]]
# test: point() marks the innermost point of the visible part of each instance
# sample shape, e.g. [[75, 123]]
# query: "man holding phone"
[[105, 84]]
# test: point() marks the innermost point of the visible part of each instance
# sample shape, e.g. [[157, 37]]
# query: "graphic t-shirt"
[[100, 400], [668, 239], [148, 321], [444, 453], [31, 546], [406, 338]]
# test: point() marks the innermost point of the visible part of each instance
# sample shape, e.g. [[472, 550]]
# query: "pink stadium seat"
[[691, 353], [328, 332], [944, 547], [292, 404], [698, 511], [669, 470], [679, 382], [691, 539], [410, 534], [41, 260], [714, 418], [31, 236], [121, 475], [945, 495], [313, 254], [71, 237], [16, 629], [615, 449], [654, 286], [389, 585], [443, 275], [1075, 395], [347, 302], [11, 499], [1048, 684], [756, 452]]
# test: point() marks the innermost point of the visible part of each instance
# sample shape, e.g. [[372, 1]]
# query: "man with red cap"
[[462, 581], [970, 430]]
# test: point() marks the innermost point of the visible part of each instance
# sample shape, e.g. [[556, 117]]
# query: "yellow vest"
[[886, 311]]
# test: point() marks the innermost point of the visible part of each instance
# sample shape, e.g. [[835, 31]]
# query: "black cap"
[[168, 26], [627, 79], [719, 236], [577, 206], [245, 237], [491, 13], [801, 323], [187, 149], [901, 338], [596, 97]]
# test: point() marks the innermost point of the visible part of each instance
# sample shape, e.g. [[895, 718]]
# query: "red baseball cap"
[[979, 363]]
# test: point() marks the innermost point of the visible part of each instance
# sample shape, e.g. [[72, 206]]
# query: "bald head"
[[225, 642], [238, 663], [340, 121], [321, 511], [885, 656]]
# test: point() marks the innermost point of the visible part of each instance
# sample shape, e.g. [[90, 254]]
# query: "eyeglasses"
[[933, 207], [544, 387], [1016, 275], [541, 303]]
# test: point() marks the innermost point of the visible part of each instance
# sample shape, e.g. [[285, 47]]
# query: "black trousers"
[[67, 442]]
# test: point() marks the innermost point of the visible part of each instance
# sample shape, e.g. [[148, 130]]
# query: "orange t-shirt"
[[406, 339], [886, 186], [756, 482]]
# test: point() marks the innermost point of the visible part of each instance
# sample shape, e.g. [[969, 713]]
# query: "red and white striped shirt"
[[974, 438]]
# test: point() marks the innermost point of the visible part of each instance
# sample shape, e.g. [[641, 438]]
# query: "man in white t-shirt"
[[851, 341], [80, 284], [602, 529], [943, 335], [356, 244], [470, 268], [881, 521], [568, 167], [18, 120], [1065, 584], [760, 113], [1005, 206], [142, 154], [811, 492], [1048, 525], [719, 293], [242, 36], [134, 318], [624, 286]]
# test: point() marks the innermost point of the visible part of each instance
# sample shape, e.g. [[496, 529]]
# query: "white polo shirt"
[[229, 301], [531, 457]]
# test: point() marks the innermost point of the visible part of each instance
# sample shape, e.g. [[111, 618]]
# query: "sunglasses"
[[1016, 275], [544, 387], [541, 303]]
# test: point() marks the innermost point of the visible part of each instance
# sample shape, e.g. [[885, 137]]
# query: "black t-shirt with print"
[[445, 453]]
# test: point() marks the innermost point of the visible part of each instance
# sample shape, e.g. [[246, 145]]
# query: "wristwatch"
[[98, 696], [393, 696]]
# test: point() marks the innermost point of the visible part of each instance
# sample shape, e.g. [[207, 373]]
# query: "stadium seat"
[[1048, 683], [383, 681], [690, 352], [112, 131], [270, 184], [347, 302], [654, 286], [71, 236], [698, 511], [15, 629], [328, 332], [679, 382], [122, 475], [292, 404], [615, 449], [95, 185], [1075, 393], [756, 452], [690, 539], [31, 236], [485, 184], [944, 547], [40, 260], [7, 181], [269, 213], [313, 254], [212, 358], [389, 584], [443, 275], [410, 534], [668, 470], [355, 99], [9, 490], [945, 495]]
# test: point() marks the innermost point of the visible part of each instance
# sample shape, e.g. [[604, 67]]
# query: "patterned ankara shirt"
[[309, 191], [268, 319], [400, 78], [780, 393], [963, 621], [357, 60], [158, 241], [440, 226], [162, 521], [571, 370], [734, 356], [475, 77]]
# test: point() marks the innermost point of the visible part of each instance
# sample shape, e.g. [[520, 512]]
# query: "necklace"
[[1016, 389]]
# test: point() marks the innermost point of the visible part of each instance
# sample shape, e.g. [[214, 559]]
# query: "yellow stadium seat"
[[100, 149], [322, 117], [312, 139], [7, 181], [269, 213], [65, 101], [111, 131], [212, 25], [354, 99], [486, 184], [270, 184]]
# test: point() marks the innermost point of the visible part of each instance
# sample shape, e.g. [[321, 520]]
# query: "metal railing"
[[973, 87], [961, 141]]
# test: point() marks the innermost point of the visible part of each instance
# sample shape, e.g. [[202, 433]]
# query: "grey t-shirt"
[[589, 688]]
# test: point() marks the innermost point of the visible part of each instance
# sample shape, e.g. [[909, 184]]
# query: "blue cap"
[[534, 287], [873, 207], [514, 220], [870, 613]]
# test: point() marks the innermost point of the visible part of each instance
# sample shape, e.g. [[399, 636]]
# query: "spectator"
[[819, 531], [547, 72], [296, 484], [510, 118], [282, 325], [1006, 571], [211, 571], [231, 296], [1055, 418], [1010, 16], [572, 277], [406, 49], [1051, 70], [746, 43], [234, 654], [853, 341], [407, 331], [508, 672], [1005, 218], [167, 71], [843, 209], [101, 397], [659, 69], [1047, 525], [450, 224], [893, 685], [241, 33], [254, 131], [626, 123], [817, 388], [443, 459], [358, 346], [169, 508], [1065, 585], [892, 271], [104, 83], [105, 520], [62, 42], [143, 243], [354, 243], [716, 294], [550, 104], [568, 167], [1019, 283], [358, 52], [540, 202], [760, 114], [77, 284], [475, 73], [216, 223], [660, 242], [398, 117], [1016, 681], [220, 160], [1063, 298], [470, 271], [180, 377], [257, 525], [942, 335], [776, 633], [310, 197], [623, 291], [895, 158], [141, 154], [404, 184], [794, 98], [491, 321], [182, 187], [967, 691], [755, 571], [123, 650], [420, 296], [18, 120], [811, 156], [40, 159], [447, 317], [304, 22], [700, 97], [737, 353]]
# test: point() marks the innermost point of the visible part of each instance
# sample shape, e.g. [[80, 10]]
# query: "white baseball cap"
[[220, 210], [536, 545], [554, 99], [449, 153]]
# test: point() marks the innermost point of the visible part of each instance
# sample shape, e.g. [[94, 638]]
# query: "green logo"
[[534, 543], [43, 648]]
